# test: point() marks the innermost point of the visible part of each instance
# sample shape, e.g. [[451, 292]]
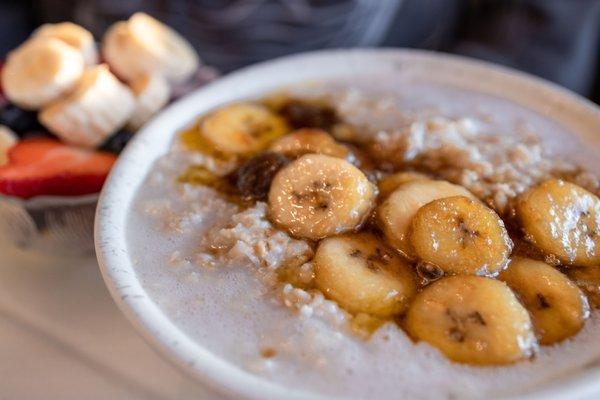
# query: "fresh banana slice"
[[73, 35], [309, 140], [40, 71], [588, 280], [242, 128], [7, 140], [363, 275], [395, 214], [472, 319], [144, 45], [317, 196], [152, 93], [461, 236], [563, 220], [392, 182], [557, 307], [98, 107]]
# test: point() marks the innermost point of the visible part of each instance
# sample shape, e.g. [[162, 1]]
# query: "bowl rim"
[[130, 170]]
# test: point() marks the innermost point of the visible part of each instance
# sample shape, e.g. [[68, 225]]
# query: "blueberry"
[[117, 142], [19, 120]]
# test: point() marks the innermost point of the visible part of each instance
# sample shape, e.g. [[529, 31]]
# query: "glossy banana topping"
[[461, 236], [473, 320], [563, 220], [557, 307], [318, 196], [364, 275]]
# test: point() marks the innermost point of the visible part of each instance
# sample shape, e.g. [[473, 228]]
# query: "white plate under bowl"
[[573, 112]]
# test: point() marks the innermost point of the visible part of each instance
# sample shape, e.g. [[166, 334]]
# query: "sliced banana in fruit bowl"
[[396, 213], [317, 196], [144, 45], [461, 236], [40, 71], [562, 220], [557, 306], [152, 93], [73, 35], [364, 275], [98, 106], [473, 320], [242, 129]]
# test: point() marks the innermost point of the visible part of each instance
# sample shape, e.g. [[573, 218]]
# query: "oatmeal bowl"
[[365, 224]]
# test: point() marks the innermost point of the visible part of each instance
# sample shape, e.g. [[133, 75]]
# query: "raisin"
[[301, 114], [253, 178]]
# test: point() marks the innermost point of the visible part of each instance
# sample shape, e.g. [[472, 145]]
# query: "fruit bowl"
[[160, 317], [62, 126], [50, 224]]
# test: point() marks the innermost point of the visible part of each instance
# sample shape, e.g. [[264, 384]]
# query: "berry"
[[19, 120], [117, 142], [42, 166]]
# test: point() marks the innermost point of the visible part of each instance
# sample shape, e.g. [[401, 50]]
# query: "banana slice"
[[461, 236], [309, 140], [472, 319], [363, 275], [395, 214], [562, 219], [557, 307], [392, 182], [40, 71], [7, 140], [317, 196], [144, 45], [74, 35], [242, 128], [588, 280], [152, 93], [98, 107]]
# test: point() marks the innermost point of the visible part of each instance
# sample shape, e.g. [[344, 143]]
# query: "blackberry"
[[117, 142], [19, 120]]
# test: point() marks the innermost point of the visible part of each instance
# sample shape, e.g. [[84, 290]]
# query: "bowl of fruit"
[[68, 107]]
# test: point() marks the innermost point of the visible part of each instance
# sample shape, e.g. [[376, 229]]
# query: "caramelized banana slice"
[[472, 319], [588, 280], [305, 141], [395, 214], [557, 307], [392, 182], [363, 275], [562, 219], [461, 236], [242, 128], [317, 196]]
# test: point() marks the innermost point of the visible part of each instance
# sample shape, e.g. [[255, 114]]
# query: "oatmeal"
[[352, 243]]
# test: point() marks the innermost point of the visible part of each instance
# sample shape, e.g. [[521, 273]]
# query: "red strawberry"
[[43, 166]]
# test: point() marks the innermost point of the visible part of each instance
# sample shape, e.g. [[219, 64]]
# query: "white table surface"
[[62, 337]]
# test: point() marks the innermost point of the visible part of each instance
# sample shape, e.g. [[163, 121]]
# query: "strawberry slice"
[[42, 166]]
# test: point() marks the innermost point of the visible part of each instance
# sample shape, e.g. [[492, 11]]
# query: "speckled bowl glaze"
[[570, 110]]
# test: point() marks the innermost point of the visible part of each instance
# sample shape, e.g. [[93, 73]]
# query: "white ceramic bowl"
[[575, 113]]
